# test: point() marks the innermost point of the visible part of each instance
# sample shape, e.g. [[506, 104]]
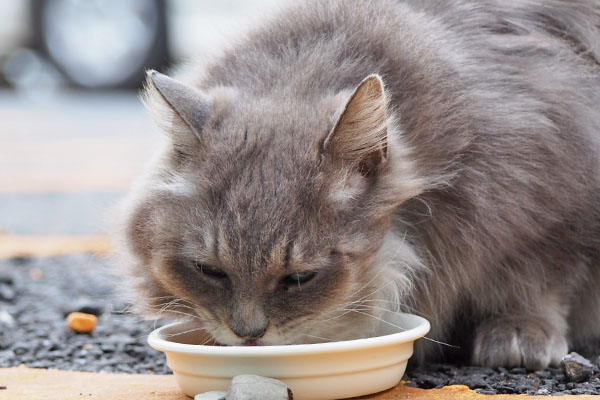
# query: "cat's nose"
[[249, 333], [248, 321]]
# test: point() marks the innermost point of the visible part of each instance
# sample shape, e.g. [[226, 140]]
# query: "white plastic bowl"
[[313, 371]]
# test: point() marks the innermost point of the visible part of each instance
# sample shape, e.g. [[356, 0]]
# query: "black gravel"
[[502, 381], [35, 297], [36, 294]]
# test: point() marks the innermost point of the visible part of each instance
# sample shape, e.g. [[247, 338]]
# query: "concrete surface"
[[74, 141], [50, 246], [67, 159], [36, 384]]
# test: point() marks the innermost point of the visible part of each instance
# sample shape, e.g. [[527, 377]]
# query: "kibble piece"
[[81, 322]]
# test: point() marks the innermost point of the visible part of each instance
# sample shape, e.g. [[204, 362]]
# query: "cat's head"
[[267, 219]]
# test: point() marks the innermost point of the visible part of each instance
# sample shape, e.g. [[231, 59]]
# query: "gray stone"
[[211, 396], [474, 381], [545, 374], [7, 293], [6, 319], [254, 387], [576, 367]]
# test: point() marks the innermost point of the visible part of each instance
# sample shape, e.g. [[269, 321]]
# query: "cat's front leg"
[[533, 341]]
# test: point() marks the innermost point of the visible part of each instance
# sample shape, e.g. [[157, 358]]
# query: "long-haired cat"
[[350, 159]]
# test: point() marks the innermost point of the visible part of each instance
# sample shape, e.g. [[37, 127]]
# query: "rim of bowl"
[[421, 329]]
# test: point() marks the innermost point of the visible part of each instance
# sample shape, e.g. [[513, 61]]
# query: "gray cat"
[[351, 159]]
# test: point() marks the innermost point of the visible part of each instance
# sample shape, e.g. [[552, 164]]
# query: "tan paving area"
[[74, 142], [50, 246], [38, 384], [81, 164], [71, 151]]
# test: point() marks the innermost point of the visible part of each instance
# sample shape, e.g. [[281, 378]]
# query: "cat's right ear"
[[359, 138], [175, 107]]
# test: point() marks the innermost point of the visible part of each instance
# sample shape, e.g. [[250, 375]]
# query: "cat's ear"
[[181, 104], [359, 137]]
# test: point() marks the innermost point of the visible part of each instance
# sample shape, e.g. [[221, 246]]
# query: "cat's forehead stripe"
[[288, 254], [216, 243]]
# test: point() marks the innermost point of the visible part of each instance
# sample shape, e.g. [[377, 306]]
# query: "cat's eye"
[[211, 271], [298, 278]]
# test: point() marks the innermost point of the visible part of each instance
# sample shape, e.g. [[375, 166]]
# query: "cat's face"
[[260, 224]]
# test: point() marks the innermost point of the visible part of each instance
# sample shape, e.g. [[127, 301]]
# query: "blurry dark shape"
[[99, 43], [30, 74]]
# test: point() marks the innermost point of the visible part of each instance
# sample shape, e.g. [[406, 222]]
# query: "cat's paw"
[[513, 342]]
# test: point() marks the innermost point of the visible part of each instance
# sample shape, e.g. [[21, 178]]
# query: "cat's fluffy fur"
[[461, 183]]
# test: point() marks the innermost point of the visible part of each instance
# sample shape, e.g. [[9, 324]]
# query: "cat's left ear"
[[359, 137], [185, 104]]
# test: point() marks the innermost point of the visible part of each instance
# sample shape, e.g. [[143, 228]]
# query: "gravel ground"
[[35, 297], [36, 294], [501, 380]]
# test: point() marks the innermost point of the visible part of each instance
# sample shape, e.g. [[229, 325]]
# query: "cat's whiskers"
[[370, 294], [162, 309], [147, 302], [191, 316], [184, 332], [343, 307], [319, 337], [176, 302], [390, 261], [366, 284], [359, 311], [399, 307], [319, 321]]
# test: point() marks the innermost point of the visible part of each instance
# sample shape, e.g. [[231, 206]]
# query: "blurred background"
[[73, 133]]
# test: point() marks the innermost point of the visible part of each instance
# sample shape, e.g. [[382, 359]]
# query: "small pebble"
[[7, 293], [576, 367], [255, 387], [6, 319], [81, 322], [474, 381], [545, 374], [211, 396]]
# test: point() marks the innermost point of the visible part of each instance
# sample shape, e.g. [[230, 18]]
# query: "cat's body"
[[471, 198]]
